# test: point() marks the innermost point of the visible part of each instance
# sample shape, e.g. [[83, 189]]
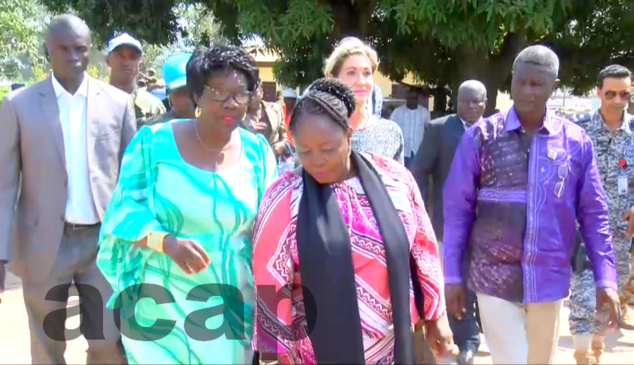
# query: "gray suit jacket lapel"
[[50, 110], [92, 118]]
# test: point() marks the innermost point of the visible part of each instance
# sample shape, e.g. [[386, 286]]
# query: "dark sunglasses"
[[612, 94]]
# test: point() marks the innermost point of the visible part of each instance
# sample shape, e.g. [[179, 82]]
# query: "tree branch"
[[352, 18], [513, 44]]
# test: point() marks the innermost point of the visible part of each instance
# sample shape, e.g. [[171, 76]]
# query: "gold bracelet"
[[155, 240]]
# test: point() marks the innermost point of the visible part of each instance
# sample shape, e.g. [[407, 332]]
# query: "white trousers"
[[519, 333]]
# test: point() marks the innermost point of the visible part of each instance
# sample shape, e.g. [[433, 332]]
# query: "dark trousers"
[[409, 161], [466, 331]]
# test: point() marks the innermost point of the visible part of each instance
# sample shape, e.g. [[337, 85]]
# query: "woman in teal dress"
[[175, 241]]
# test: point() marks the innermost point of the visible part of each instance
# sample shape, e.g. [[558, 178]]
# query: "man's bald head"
[[472, 100], [67, 23], [68, 42], [472, 86]]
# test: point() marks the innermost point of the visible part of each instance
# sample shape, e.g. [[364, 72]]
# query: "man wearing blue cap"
[[123, 55], [175, 76]]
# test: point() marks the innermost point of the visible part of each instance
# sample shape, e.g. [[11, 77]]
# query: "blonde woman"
[[355, 63]]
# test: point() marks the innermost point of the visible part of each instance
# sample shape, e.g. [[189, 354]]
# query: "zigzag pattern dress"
[[158, 190], [281, 326]]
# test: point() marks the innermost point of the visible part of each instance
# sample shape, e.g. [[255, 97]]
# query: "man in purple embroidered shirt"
[[519, 182]]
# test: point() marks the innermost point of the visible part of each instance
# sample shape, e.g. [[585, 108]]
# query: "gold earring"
[[198, 112]]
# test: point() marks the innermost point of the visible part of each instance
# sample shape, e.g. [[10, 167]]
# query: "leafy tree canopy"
[[442, 42], [21, 28]]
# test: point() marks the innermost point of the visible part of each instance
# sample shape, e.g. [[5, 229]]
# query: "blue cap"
[[175, 70], [159, 93], [123, 39]]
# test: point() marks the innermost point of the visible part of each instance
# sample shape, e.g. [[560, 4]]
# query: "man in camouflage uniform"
[[175, 76], [611, 130], [123, 55]]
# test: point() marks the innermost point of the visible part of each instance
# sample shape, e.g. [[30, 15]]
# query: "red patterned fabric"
[[280, 325]]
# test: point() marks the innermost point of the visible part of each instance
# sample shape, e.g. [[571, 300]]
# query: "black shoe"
[[466, 356]]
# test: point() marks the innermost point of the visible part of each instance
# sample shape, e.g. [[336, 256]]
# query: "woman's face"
[[224, 100], [356, 72], [323, 148]]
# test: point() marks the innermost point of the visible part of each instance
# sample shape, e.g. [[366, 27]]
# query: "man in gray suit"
[[432, 164], [61, 143]]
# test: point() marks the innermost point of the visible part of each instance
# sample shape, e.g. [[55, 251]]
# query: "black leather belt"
[[78, 227]]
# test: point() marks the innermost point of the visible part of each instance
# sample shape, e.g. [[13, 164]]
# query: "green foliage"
[[197, 26], [596, 34], [21, 43], [443, 42], [4, 90], [150, 20]]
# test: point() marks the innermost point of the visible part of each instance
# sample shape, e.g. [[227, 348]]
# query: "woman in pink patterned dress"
[[344, 258]]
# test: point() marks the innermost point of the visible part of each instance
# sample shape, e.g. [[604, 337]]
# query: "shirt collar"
[[513, 121], [59, 89], [625, 123], [467, 125]]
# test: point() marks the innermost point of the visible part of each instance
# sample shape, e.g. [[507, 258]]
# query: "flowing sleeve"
[[129, 218], [425, 254], [460, 196], [273, 272]]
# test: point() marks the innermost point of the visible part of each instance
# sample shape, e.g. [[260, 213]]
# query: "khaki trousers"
[[519, 333]]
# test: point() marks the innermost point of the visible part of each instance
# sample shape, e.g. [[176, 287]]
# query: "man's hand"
[[440, 338], [455, 298], [609, 298], [628, 215]]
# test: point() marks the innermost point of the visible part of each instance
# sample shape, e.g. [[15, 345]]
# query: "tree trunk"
[[352, 18], [491, 69], [440, 102]]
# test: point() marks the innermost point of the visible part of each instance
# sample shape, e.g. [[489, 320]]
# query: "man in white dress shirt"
[[62, 139], [412, 118]]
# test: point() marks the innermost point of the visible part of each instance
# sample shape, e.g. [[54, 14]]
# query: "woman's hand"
[[187, 254], [440, 338]]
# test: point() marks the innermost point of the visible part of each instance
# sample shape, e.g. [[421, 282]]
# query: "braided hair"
[[326, 97]]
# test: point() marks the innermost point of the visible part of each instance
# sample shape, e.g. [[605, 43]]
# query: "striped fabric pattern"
[[281, 325], [158, 190]]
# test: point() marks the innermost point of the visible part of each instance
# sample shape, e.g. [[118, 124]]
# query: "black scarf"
[[325, 259]]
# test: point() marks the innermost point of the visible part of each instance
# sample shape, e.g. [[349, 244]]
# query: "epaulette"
[[580, 117]]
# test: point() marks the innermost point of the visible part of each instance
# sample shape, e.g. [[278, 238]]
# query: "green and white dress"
[[203, 318]]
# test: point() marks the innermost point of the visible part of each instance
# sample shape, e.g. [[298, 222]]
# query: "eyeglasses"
[[562, 172], [241, 97], [609, 95]]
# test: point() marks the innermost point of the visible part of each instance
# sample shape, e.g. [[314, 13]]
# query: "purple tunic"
[[511, 209]]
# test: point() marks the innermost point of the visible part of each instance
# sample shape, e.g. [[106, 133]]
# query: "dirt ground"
[[14, 337]]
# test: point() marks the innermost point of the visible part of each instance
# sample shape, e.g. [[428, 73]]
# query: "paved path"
[[14, 337]]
